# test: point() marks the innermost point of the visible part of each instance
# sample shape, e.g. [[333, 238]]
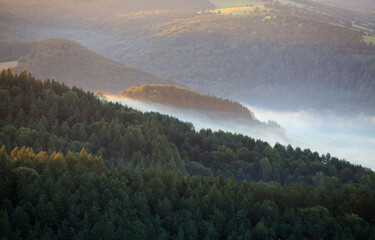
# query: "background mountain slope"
[[351, 4], [274, 62], [300, 56], [68, 62]]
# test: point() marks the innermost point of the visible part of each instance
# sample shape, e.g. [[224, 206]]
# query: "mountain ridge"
[[71, 63]]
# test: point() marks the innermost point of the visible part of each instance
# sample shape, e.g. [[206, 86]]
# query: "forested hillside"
[[52, 196], [182, 97], [73, 64], [161, 183], [79, 165], [268, 59], [52, 117]]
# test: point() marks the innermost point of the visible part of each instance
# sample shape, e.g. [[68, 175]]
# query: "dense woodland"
[[52, 117], [76, 197], [73, 166], [182, 97], [153, 178]]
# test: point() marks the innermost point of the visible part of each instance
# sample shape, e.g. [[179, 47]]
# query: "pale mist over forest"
[[350, 138]]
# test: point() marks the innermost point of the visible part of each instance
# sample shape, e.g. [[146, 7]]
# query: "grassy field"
[[220, 4], [239, 7], [369, 39], [237, 10], [6, 65]]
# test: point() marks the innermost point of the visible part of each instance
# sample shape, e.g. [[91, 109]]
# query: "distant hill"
[[353, 4], [6, 37], [10, 47], [11, 50], [182, 97], [73, 64], [286, 58]]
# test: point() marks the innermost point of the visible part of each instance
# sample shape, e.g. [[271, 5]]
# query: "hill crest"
[[185, 98], [69, 62]]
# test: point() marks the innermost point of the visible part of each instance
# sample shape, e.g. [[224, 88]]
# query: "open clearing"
[[6, 65], [237, 10], [369, 39], [220, 4], [239, 7]]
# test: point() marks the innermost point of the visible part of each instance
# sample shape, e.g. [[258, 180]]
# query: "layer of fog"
[[267, 131], [6, 65], [352, 139]]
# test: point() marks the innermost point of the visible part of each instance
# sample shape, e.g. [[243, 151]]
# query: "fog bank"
[[267, 131], [352, 139]]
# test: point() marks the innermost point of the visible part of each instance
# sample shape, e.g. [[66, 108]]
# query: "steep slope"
[[73, 64], [202, 110], [160, 169], [52, 117]]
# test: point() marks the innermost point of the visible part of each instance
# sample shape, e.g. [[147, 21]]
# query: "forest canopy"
[[57, 196], [48, 116], [153, 176], [75, 165]]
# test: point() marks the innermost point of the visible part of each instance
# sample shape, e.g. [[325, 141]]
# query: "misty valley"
[[187, 119], [350, 138]]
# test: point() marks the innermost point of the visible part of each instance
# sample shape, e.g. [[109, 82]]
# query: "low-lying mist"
[[267, 131], [352, 139], [349, 138]]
